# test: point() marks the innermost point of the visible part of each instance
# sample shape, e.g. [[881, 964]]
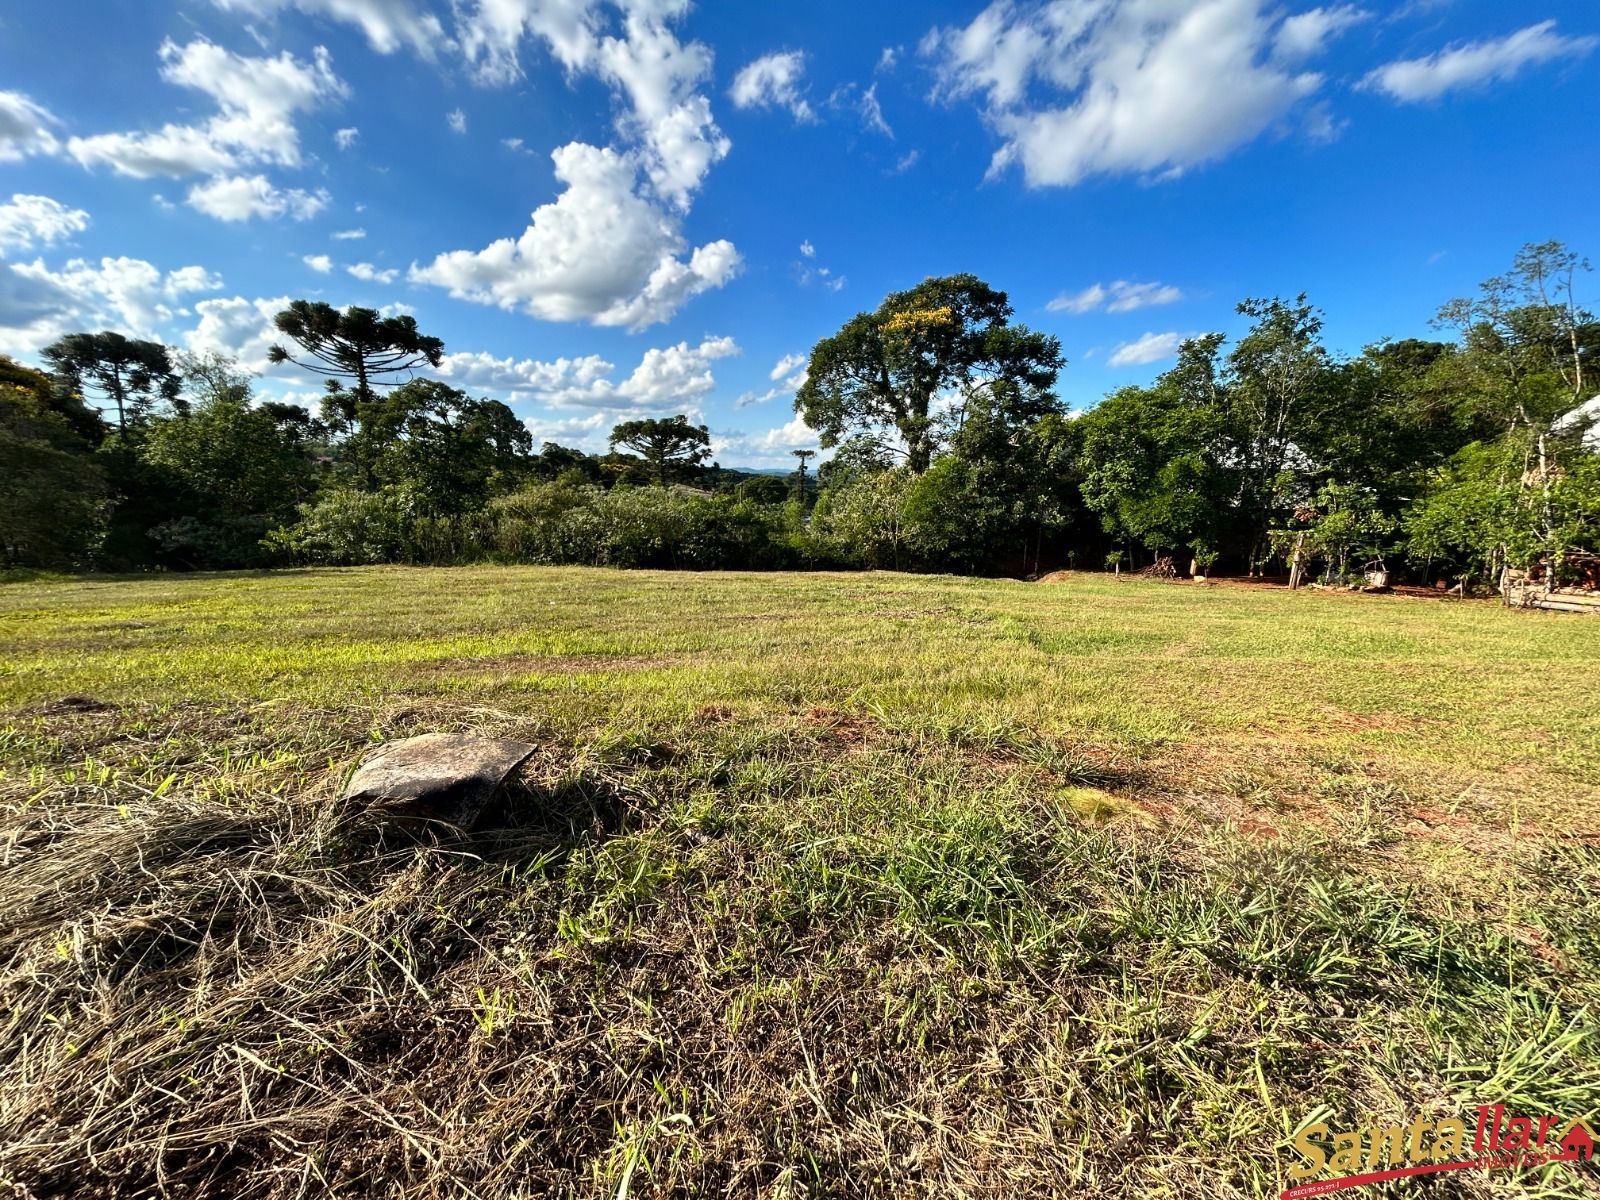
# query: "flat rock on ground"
[[448, 777]]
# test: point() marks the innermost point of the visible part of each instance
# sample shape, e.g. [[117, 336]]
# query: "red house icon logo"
[[1578, 1142]]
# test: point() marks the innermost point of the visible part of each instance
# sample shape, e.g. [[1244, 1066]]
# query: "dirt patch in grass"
[[835, 728], [71, 706]]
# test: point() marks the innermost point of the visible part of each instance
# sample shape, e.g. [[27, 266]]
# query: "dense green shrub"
[[347, 528]]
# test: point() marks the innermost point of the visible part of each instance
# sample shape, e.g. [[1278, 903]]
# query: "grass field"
[[819, 885]]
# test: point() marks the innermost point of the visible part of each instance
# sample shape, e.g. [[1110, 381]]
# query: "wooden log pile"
[[1532, 588]]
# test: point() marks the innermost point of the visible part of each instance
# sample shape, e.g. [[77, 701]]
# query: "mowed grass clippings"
[[820, 885]]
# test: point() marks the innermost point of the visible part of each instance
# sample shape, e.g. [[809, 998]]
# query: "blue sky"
[[610, 208]]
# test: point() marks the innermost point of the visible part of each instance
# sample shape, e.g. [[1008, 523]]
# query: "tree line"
[[1448, 457]]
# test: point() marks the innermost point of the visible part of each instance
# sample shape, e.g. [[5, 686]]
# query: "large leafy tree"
[[448, 451], [882, 375], [1154, 462], [1389, 412], [243, 468], [1527, 356], [358, 349], [668, 445], [1003, 485], [51, 488], [556, 461], [121, 372], [1151, 467], [1527, 343], [1278, 385]]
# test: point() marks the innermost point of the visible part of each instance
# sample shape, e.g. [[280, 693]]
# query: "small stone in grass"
[[449, 777]]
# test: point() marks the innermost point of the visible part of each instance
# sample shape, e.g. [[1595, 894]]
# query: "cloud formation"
[[790, 375], [768, 448], [600, 252], [388, 25], [1152, 347], [667, 379], [240, 328], [1114, 87], [1475, 64], [773, 81], [257, 102], [1116, 297], [26, 128], [29, 221], [609, 249], [39, 304], [243, 197], [368, 273]]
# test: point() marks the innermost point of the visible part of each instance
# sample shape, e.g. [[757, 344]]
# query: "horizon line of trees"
[[1452, 457]]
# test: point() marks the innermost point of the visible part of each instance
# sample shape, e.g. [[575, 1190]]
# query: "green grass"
[[819, 885]]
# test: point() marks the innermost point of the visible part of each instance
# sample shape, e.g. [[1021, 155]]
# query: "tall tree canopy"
[[1276, 382], [667, 444], [1525, 364], [1152, 465], [449, 451], [881, 375], [358, 345], [125, 373], [244, 460], [950, 451], [51, 489]]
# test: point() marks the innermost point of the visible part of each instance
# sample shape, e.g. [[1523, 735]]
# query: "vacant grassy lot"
[[820, 885]]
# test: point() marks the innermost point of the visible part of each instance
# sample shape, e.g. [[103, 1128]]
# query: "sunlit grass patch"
[[817, 885]]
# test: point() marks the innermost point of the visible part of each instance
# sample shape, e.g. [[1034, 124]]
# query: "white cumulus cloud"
[[1152, 347], [25, 128], [789, 373], [768, 448], [28, 221], [242, 197], [39, 304], [1116, 297], [786, 366], [523, 378], [491, 34], [388, 24], [239, 328], [609, 248], [600, 252], [1111, 87], [667, 120], [320, 263], [257, 101], [666, 380], [773, 81], [1476, 64], [367, 272]]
